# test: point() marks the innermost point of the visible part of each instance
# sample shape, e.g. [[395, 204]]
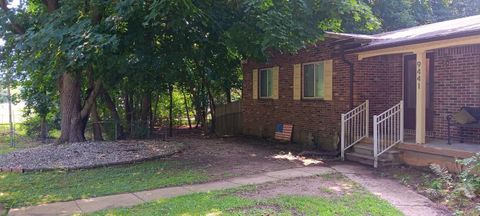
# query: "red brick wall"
[[457, 84], [260, 116], [378, 79]]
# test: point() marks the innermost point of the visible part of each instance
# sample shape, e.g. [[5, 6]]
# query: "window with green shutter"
[[266, 83], [313, 80]]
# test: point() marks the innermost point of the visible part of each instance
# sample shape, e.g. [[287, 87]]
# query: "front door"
[[410, 91]]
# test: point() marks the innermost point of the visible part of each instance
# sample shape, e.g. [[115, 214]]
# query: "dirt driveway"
[[228, 157]]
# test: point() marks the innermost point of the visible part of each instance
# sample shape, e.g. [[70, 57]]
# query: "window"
[[266, 81], [313, 87]]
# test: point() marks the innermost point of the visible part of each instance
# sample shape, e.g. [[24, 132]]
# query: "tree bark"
[[113, 111], [186, 109], [128, 111], [43, 128], [145, 110], [72, 128], [51, 5], [228, 94], [153, 116], [74, 116], [170, 112], [96, 124], [212, 108]]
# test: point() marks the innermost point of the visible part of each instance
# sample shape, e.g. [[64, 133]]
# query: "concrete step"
[[363, 153], [367, 149], [369, 160]]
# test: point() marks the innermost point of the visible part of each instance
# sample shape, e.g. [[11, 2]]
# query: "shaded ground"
[[86, 154], [202, 160], [227, 157]]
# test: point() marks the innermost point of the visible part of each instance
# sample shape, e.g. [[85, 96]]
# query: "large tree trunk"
[[72, 128], [116, 117]]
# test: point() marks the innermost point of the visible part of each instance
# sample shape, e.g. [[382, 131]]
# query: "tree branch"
[[17, 28], [91, 99], [51, 5]]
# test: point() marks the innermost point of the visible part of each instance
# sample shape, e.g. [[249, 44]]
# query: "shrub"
[[459, 190], [32, 125], [469, 178]]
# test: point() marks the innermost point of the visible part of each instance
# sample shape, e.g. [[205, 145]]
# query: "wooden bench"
[[474, 112]]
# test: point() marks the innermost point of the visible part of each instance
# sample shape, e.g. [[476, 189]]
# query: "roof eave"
[[413, 41]]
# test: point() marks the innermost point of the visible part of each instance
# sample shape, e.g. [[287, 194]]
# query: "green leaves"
[[144, 46]]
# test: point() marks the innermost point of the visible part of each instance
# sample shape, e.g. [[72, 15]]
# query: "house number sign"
[[419, 73]]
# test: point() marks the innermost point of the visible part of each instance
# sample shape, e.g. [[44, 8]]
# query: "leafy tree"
[[394, 14], [129, 52], [407, 13], [3, 95], [40, 97]]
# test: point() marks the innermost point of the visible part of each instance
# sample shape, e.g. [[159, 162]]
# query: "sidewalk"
[[403, 198], [135, 198]]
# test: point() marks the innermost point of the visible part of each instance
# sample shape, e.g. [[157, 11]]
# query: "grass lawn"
[[228, 202], [33, 188]]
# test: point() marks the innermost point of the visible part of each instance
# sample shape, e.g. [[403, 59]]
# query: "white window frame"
[[314, 76], [260, 83]]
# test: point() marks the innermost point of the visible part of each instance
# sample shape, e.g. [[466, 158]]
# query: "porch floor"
[[442, 144]]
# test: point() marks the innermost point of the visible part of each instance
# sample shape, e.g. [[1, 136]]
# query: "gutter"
[[340, 51], [352, 75]]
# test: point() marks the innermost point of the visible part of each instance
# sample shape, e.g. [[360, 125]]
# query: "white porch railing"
[[354, 127], [387, 130]]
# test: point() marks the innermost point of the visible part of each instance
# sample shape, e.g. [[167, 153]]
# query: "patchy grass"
[[34, 188], [229, 203]]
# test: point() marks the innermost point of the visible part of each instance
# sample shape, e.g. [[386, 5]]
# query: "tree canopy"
[[400, 14], [117, 60]]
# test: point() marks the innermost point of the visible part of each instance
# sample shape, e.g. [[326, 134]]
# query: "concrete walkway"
[[131, 199], [406, 200], [403, 198]]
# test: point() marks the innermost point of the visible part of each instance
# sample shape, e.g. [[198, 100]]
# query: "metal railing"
[[387, 130], [354, 127]]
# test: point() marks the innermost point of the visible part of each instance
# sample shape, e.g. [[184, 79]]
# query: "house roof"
[[462, 27]]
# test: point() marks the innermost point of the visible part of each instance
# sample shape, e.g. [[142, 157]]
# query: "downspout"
[[352, 74]]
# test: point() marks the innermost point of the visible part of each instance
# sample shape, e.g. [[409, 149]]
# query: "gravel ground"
[[87, 154]]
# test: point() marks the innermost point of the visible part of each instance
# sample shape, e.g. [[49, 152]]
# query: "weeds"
[[460, 190]]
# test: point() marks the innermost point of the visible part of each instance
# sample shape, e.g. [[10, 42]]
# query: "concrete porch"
[[436, 151], [442, 144]]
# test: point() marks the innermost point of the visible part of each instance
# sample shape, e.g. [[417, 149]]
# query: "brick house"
[[418, 76]]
